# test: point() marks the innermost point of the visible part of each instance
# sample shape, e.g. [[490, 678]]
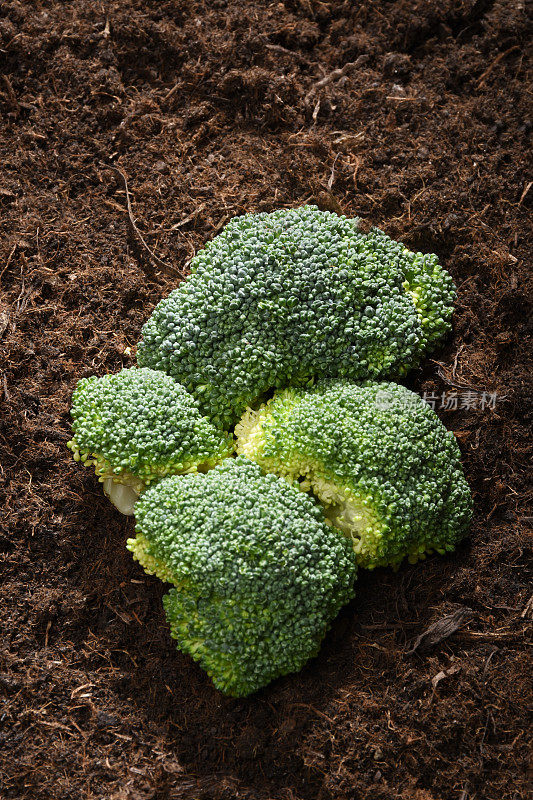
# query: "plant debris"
[[440, 630]]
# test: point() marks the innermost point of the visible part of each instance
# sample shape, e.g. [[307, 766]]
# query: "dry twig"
[[11, 96], [277, 48], [332, 175], [134, 230], [496, 61], [524, 193], [335, 76]]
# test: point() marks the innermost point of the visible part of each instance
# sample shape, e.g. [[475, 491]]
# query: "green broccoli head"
[[139, 425], [258, 574], [278, 299], [385, 468]]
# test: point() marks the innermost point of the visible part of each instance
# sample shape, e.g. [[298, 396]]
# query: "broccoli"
[[282, 298], [258, 575], [139, 425], [376, 455]]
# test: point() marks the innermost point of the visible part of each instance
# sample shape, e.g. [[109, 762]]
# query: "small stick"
[[526, 190], [8, 262], [497, 60], [133, 227], [277, 48], [335, 76], [182, 222], [528, 608], [172, 91], [456, 359], [332, 176], [401, 99], [11, 94]]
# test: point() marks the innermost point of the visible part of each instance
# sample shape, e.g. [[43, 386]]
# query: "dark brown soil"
[[209, 109]]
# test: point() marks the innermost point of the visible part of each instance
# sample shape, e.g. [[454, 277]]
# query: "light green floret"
[[430, 289], [283, 298], [139, 425], [385, 468], [258, 574]]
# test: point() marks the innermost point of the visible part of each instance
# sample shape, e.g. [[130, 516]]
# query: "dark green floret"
[[279, 299], [376, 455], [258, 574], [139, 425]]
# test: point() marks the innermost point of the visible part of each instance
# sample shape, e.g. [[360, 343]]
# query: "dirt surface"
[[212, 109]]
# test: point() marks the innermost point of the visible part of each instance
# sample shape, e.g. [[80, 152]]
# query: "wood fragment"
[[487, 662], [220, 224], [312, 708], [79, 689], [456, 359], [11, 96], [358, 162], [57, 725], [496, 61], [401, 99], [134, 230], [335, 76], [182, 222], [440, 630], [524, 193], [47, 632], [528, 608], [332, 176], [4, 320], [171, 92], [115, 206], [445, 674], [277, 48]]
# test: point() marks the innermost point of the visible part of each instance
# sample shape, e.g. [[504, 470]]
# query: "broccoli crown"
[[139, 425], [279, 298], [376, 455], [258, 574]]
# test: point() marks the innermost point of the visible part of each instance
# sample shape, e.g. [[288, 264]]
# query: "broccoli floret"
[[258, 574], [282, 298], [139, 425], [376, 455]]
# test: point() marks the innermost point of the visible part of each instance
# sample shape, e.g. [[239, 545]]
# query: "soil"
[[214, 108]]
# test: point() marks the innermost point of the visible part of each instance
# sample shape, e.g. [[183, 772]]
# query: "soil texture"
[[414, 116]]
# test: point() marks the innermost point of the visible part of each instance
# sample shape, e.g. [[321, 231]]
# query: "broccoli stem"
[[121, 495]]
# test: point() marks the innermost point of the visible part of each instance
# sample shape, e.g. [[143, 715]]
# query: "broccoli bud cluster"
[[277, 299], [140, 425], [258, 575], [379, 459], [289, 322]]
